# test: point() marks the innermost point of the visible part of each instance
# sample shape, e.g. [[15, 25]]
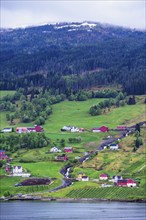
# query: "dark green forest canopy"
[[62, 57]]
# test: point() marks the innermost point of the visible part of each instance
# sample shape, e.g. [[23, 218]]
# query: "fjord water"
[[38, 210]]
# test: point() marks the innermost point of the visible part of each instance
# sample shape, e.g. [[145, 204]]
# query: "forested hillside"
[[73, 56]]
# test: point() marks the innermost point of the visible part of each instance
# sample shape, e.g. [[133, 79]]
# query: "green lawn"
[[43, 169]]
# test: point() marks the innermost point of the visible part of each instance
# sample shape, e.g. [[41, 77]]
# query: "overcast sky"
[[21, 13]]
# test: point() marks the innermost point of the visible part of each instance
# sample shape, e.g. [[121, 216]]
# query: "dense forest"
[[67, 57]]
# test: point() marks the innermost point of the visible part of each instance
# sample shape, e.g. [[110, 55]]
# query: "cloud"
[[129, 13]]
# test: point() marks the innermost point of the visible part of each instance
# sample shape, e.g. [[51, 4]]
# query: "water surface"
[[39, 210]]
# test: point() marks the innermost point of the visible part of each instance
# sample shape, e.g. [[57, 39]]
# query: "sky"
[[23, 13]]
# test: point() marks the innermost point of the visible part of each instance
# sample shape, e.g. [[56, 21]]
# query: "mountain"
[[72, 56]]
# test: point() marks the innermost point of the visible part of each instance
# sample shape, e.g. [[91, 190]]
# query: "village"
[[104, 180]]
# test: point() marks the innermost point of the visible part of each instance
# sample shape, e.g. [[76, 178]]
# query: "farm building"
[[55, 150], [85, 178], [37, 128], [80, 175], [101, 129], [116, 178], [7, 130], [103, 176], [126, 182], [68, 149], [74, 129], [21, 130], [114, 146]]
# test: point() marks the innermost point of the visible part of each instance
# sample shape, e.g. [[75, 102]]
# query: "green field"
[[76, 113], [8, 185]]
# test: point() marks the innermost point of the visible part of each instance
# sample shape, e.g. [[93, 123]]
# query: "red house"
[[68, 149], [103, 176], [121, 183], [3, 156], [126, 182], [37, 128], [103, 129]]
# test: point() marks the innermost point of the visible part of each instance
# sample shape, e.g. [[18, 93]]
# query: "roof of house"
[[119, 177], [25, 128], [68, 148], [103, 175], [84, 177], [7, 129], [114, 145], [122, 181], [19, 167], [130, 181]]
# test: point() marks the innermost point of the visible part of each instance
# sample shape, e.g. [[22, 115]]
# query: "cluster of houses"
[[58, 150], [36, 128], [116, 180], [19, 130], [95, 129], [62, 157], [76, 129]]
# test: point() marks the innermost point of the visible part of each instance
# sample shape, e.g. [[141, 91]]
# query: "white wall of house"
[[131, 184], [103, 178], [17, 169]]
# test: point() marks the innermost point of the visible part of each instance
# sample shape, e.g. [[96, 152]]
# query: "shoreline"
[[49, 199]]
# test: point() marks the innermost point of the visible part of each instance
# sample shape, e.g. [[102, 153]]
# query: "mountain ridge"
[[61, 49]]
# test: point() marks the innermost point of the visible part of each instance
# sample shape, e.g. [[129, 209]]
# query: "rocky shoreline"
[[41, 198]]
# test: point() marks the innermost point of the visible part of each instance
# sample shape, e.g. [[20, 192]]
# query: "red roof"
[[103, 175], [103, 129], [130, 181]]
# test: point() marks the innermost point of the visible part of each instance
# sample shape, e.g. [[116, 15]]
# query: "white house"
[[114, 146], [55, 150], [74, 129], [116, 178], [67, 128], [17, 169], [7, 130], [85, 178]]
